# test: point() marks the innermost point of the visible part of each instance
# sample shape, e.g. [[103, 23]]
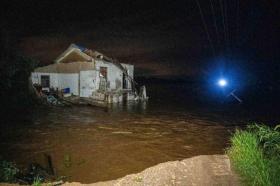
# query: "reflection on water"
[[89, 144]]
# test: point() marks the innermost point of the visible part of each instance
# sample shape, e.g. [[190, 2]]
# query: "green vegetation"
[[269, 139], [37, 182], [255, 154], [8, 171], [67, 160]]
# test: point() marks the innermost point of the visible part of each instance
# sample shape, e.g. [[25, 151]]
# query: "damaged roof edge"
[[89, 54], [70, 49]]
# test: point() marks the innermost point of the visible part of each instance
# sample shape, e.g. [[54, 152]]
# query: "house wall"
[[36, 78], [114, 74], [69, 81], [130, 71], [59, 81], [85, 82], [88, 83]]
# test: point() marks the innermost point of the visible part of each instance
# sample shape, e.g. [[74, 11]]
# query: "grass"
[[37, 182], [254, 154]]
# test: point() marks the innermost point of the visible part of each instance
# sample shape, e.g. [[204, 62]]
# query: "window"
[[45, 81], [103, 72]]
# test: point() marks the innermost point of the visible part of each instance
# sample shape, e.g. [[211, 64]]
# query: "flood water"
[[90, 144]]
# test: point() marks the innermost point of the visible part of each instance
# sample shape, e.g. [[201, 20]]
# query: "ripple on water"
[[115, 144]]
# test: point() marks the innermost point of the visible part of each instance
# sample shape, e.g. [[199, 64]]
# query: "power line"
[[223, 19], [227, 27], [215, 21], [206, 28], [237, 21]]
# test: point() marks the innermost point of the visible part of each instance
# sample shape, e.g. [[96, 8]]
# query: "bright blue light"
[[222, 82]]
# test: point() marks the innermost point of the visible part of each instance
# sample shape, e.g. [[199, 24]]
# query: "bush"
[[253, 155], [269, 139], [8, 171]]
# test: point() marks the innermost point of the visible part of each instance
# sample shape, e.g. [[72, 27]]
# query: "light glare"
[[222, 82]]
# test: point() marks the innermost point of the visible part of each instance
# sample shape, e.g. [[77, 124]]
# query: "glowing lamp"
[[222, 82]]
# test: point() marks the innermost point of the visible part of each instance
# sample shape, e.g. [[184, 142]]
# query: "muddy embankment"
[[199, 170]]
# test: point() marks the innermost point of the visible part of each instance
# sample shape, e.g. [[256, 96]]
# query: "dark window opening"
[[45, 81], [103, 72], [124, 81]]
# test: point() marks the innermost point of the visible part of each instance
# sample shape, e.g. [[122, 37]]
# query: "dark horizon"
[[160, 38]]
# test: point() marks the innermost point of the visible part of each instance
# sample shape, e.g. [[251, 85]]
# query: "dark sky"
[[158, 37]]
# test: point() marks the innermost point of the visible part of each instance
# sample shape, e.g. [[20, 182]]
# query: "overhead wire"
[[223, 20], [237, 23], [224, 42], [206, 28], [215, 22], [227, 29]]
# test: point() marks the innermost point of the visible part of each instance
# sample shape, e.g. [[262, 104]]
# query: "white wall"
[[115, 77], [59, 81], [130, 71], [114, 74], [87, 83], [69, 81], [36, 78]]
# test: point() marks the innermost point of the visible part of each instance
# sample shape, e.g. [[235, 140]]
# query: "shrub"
[[268, 138], [8, 171], [253, 155]]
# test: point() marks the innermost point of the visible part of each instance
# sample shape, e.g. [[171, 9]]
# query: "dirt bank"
[[199, 170]]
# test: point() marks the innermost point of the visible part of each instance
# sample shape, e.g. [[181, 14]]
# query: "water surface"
[[90, 144]]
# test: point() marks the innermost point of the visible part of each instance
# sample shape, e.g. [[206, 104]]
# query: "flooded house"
[[86, 73]]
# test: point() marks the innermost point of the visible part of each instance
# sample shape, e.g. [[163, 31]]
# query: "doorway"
[[124, 81]]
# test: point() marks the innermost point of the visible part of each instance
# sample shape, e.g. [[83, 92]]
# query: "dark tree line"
[[15, 69]]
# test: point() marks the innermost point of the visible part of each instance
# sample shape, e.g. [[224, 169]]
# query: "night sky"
[[161, 38]]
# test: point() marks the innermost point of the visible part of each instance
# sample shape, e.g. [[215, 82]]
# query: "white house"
[[86, 73]]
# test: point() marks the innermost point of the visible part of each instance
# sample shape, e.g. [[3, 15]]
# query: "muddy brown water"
[[89, 144]]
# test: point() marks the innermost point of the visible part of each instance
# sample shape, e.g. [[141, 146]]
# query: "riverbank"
[[198, 170]]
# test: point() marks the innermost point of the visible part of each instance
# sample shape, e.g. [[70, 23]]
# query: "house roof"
[[85, 53], [82, 53], [75, 67], [73, 48]]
